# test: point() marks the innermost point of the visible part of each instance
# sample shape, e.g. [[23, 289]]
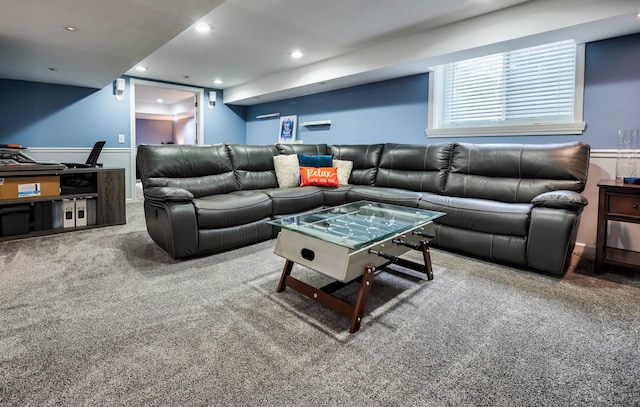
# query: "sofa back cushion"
[[309, 149], [202, 170], [516, 172], [365, 158], [253, 165], [422, 168]]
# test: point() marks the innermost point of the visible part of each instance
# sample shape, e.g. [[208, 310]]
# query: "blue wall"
[[396, 110], [224, 123], [389, 111], [612, 91], [45, 115]]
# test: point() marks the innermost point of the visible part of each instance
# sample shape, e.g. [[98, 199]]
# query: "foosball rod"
[[414, 246], [424, 234], [384, 255]]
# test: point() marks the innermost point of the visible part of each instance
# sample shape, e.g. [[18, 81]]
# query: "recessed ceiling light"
[[141, 68], [203, 28], [159, 100], [217, 81], [296, 54], [70, 28]]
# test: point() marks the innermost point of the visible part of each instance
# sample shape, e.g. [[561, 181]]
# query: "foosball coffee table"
[[348, 243]]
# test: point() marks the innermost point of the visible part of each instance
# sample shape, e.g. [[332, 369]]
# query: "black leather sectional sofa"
[[513, 203]]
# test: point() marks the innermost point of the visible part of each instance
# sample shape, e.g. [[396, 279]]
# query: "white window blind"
[[528, 87]]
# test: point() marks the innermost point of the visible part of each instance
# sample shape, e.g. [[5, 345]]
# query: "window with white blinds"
[[530, 91]]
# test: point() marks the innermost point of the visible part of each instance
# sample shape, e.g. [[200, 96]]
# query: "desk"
[[107, 189], [617, 202]]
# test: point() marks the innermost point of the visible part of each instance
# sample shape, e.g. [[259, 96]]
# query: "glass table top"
[[357, 224]]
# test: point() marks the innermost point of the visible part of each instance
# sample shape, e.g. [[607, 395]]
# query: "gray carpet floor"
[[103, 317]]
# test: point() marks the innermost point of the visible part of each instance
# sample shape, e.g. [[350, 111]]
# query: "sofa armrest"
[[171, 220], [167, 194], [551, 239], [561, 199]]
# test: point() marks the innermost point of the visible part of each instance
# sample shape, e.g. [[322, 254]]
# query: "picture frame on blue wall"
[[288, 129]]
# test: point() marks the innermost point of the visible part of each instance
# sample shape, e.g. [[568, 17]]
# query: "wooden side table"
[[617, 202]]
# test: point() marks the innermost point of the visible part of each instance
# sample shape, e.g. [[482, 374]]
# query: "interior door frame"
[[199, 92]]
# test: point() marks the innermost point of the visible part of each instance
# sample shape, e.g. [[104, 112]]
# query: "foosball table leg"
[[426, 255], [363, 295]]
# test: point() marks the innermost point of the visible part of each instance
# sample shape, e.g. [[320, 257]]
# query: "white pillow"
[[344, 170], [287, 170]]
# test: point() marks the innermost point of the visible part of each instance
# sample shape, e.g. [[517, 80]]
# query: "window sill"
[[526, 130]]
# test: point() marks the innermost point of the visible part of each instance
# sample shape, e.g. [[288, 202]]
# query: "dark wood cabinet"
[[111, 197], [102, 188], [617, 202]]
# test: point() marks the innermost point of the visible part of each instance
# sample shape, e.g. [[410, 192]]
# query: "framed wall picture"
[[287, 129]]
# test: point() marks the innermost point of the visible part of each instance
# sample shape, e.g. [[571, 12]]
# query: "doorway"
[[163, 113]]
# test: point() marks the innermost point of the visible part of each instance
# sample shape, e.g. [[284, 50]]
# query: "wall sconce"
[[118, 88], [212, 100]]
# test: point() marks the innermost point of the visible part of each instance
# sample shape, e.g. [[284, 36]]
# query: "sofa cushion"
[[201, 170], [334, 196], [513, 173], [365, 160], [285, 201], [307, 160], [253, 166], [236, 208], [385, 195], [322, 177], [287, 170], [480, 215], [414, 167], [344, 170]]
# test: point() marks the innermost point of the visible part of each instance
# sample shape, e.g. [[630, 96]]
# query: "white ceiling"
[[346, 42], [161, 103], [112, 36]]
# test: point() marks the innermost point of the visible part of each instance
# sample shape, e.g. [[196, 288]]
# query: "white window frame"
[[436, 105]]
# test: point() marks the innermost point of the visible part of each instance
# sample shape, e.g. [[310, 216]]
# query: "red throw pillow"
[[324, 176]]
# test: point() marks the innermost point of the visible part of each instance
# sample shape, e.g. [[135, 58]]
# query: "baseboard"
[[585, 251]]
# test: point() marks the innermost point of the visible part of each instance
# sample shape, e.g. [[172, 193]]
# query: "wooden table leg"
[[425, 268], [601, 232], [426, 255], [286, 272], [363, 296]]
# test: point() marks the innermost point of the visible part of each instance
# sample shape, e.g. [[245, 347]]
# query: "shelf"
[[107, 191], [267, 116], [317, 123], [621, 257], [47, 198]]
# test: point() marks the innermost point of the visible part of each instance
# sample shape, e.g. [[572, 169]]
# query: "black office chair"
[[92, 161]]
